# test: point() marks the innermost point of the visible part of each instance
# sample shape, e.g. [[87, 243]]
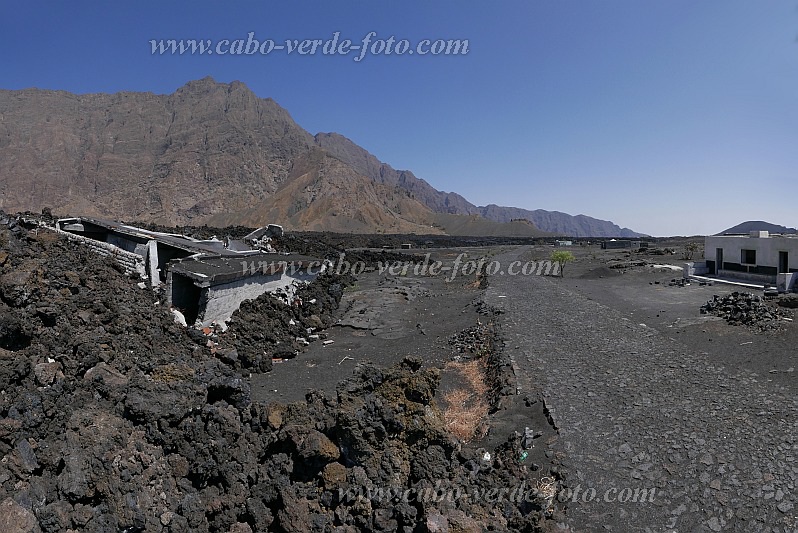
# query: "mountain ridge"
[[213, 151]]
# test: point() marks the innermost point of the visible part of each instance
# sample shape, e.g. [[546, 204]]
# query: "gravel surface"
[[638, 411]]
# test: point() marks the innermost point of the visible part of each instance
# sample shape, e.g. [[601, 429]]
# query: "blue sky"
[[665, 116]]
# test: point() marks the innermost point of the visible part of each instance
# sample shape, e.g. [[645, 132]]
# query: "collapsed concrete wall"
[[212, 283], [219, 302]]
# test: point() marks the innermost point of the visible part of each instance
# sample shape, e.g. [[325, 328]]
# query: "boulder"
[[16, 519]]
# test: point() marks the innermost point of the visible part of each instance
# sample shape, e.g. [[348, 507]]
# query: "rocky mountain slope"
[[448, 202], [368, 165], [216, 153], [207, 148]]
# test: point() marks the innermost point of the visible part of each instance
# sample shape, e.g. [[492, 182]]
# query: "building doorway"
[[718, 261], [784, 264], [185, 297]]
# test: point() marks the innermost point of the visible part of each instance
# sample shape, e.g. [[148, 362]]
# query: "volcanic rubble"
[[114, 418], [746, 308]]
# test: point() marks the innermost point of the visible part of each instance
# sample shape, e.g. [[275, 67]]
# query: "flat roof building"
[[759, 257], [210, 289], [206, 280]]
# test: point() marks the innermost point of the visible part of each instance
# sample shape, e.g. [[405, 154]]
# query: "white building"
[[758, 257]]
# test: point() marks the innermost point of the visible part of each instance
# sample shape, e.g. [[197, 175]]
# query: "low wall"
[[747, 276], [697, 268], [131, 263]]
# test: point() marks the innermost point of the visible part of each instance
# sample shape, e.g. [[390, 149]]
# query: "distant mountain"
[[559, 223], [758, 225], [216, 153], [205, 149], [553, 222]]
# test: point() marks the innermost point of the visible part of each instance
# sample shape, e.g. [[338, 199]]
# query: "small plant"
[[561, 257], [690, 250]]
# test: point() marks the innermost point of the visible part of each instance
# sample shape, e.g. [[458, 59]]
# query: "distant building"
[[563, 243], [615, 244], [623, 244], [759, 257]]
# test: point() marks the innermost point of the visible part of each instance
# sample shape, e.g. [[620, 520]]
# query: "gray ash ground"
[[648, 393], [114, 418]]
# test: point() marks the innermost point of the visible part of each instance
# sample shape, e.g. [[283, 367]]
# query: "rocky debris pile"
[[265, 329], [112, 419], [197, 232], [684, 282], [658, 251], [789, 301], [622, 265], [316, 245], [473, 342], [746, 308], [419, 242]]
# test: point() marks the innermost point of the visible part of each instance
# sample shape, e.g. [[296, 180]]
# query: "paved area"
[[639, 412]]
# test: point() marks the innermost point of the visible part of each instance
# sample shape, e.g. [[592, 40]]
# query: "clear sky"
[[665, 116]]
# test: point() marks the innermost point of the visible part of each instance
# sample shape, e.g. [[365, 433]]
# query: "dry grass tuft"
[[466, 409]]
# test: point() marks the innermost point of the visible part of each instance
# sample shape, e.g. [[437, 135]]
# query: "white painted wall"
[[152, 263], [786, 282], [767, 249]]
